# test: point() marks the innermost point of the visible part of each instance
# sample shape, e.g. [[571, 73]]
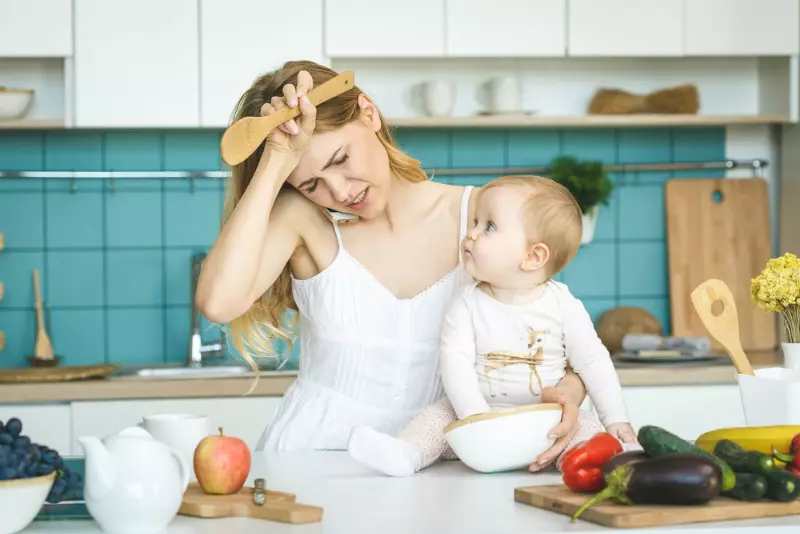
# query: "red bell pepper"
[[582, 464]]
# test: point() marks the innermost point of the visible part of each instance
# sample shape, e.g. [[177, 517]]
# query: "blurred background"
[[112, 112]]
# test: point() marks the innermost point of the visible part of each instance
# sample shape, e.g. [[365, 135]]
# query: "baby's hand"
[[623, 432]]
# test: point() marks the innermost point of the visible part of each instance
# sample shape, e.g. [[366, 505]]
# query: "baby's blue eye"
[[490, 227]]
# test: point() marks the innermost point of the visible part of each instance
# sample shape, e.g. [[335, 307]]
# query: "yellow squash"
[[752, 438]]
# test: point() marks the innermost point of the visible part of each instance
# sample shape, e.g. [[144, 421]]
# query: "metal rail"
[[757, 165]]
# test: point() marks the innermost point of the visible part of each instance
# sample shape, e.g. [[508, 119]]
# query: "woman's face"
[[347, 169]]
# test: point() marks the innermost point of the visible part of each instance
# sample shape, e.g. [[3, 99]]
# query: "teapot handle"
[[183, 466]]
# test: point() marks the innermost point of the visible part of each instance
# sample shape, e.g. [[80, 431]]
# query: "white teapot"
[[134, 484]]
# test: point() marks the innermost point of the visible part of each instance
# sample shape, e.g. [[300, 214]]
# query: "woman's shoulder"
[[292, 207], [453, 195]]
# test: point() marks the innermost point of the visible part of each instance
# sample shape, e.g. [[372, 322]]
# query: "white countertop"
[[447, 497]]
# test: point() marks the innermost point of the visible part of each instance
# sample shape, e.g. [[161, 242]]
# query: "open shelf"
[[32, 124], [578, 121]]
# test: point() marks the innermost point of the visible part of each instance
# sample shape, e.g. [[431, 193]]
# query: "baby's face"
[[496, 243]]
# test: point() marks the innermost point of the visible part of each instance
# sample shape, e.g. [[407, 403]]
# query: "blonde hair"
[[552, 216], [256, 330]]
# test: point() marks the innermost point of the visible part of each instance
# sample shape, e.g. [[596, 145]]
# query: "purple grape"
[[8, 473], [6, 438], [22, 442], [14, 427]]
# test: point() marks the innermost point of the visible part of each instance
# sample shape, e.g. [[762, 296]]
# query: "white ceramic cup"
[[434, 98], [180, 431], [501, 94]]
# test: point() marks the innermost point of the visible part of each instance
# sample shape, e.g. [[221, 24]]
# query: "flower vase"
[[589, 224], [791, 355]]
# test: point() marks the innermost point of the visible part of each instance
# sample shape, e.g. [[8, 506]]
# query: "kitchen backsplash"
[[115, 254]]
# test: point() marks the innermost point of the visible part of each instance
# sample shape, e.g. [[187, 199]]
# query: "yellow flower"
[[778, 285]]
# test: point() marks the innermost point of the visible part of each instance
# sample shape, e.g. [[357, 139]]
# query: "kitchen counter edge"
[[275, 385]]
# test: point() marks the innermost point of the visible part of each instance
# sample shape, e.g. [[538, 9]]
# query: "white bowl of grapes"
[[31, 475]]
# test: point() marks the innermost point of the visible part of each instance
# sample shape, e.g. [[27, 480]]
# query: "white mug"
[[434, 98], [180, 431], [501, 94]]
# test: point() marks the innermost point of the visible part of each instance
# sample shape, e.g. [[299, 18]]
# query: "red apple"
[[221, 464]]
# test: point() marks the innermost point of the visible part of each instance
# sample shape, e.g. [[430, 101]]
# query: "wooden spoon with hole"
[[724, 325], [244, 136], [43, 349]]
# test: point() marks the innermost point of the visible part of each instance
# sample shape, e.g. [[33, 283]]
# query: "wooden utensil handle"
[[38, 293]]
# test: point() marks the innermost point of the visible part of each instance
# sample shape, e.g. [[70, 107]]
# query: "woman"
[[370, 296]]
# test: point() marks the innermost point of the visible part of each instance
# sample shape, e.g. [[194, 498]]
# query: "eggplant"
[[674, 478], [624, 458]]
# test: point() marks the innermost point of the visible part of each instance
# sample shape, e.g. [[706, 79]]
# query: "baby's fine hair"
[[551, 214]]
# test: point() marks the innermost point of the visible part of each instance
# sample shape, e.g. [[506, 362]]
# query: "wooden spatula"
[[724, 326], [43, 349], [244, 136]]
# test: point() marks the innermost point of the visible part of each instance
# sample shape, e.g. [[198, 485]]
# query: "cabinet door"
[[686, 411], [45, 424], [236, 49], [741, 27], [625, 28], [483, 28], [366, 28], [35, 28], [136, 63], [244, 418]]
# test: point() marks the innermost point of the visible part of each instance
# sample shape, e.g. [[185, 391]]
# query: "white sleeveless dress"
[[366, 356]]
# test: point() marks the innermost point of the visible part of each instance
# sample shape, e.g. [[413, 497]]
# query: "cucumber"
[[743, 461], [749, 487], [782, 486], [657, 442]]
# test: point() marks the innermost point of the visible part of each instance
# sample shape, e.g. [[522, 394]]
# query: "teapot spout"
[[100, 468]]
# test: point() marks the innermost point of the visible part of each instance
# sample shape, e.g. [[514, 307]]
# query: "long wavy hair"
[[273, 315]]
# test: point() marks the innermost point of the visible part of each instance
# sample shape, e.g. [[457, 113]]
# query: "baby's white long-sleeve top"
[[496, 355]]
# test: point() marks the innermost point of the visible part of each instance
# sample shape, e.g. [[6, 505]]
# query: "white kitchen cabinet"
[[741, 27], [687, 411], [479, 28], [45, 424], [625, 28], [236, 49], [136, 63], [35, 28], [242, 417], [366, 28]]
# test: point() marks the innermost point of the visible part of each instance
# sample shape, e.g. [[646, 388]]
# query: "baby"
[[509, 336]]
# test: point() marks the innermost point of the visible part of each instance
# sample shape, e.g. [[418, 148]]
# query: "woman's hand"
[[293, 136], [564, 431]]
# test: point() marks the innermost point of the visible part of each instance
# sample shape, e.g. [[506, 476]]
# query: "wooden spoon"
[[244, 136], [724, 326], [43, 349]]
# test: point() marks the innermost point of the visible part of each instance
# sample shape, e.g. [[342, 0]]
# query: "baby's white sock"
[[387, 454]]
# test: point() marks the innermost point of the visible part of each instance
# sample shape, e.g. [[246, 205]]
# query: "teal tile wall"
[[114, 255]]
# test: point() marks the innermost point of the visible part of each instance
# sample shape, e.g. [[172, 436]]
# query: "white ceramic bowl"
[[20, 501], [14, 103], [503, 440]]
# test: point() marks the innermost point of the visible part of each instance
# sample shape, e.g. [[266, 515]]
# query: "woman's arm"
[[262, 233], [252, 248], [573, 386], [569, 393]]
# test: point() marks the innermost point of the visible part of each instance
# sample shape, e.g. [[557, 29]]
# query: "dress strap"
[[338, 234], [464, 214]]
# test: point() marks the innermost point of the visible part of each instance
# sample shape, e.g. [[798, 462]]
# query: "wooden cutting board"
[[557, 498], [278, 506], [719, 228]]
